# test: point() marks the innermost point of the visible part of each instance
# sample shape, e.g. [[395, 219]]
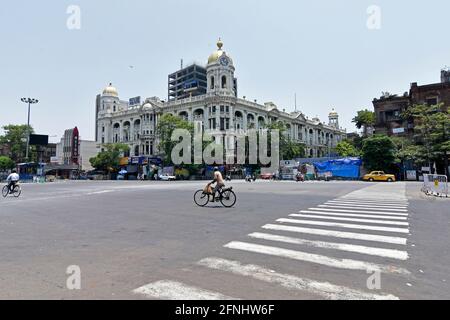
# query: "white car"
[[167, 177]]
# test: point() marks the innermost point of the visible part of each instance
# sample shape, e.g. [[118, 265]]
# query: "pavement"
[[283, 240]]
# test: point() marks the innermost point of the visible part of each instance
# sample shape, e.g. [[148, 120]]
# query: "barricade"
[[435, 185]]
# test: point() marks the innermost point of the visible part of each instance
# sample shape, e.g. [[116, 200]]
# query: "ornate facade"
[[219, 111]]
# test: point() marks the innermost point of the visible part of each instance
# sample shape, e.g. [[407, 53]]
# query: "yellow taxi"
[[379, 176]]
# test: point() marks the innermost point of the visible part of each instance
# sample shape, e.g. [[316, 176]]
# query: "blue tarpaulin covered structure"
[[343, 168]]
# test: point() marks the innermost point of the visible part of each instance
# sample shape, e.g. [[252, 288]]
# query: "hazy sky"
[[322, 50]]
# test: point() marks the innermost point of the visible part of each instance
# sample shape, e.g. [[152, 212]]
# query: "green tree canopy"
[[166, 126], [431, 131], [379, 153], [364, 119], [108, 160], [15, 138], [6, 163], [289, 149], [346, 149]]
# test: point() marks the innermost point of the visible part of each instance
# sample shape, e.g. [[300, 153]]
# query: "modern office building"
[[219, 110], [187, 82]]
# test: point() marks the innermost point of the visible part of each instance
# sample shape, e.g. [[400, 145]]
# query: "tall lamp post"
[[30, 101]]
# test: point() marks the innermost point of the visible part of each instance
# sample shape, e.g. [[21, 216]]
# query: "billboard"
[[134, 101], [38, 140]]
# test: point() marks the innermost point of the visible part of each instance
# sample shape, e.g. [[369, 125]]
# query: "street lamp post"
[[30, 101]]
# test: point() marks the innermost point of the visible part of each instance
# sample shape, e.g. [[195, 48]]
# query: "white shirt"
[[13, 177]]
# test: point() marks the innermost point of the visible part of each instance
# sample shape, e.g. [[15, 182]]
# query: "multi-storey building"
[[389, 107], [219, 111], [187, 82]]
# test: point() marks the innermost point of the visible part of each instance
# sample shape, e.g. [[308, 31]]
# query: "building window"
[[227, 109], [224, 82], [214, 109], [212, 83], [432, 101], [222, 108]]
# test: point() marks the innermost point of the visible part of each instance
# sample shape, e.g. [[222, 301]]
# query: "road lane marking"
[[100, 192], [359, 211], [323, 289], [381, 252], [344, 225], [172, 290], [361, 207], [362, 204], [380, 198], [314, 258], [376, 216], [338, 234], [396, 223]]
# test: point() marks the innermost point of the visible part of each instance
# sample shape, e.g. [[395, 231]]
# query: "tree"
[[166, 126], [364, 119], [6, 163], [289, 149], [431, 131], [15, 138], [379, 153], [346, 149], [108, 160]]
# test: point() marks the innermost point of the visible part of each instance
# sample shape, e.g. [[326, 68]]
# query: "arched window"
[[212, 83], [224, 82]]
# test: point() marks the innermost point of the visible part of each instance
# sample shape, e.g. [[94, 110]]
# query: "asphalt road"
[[150, 236]]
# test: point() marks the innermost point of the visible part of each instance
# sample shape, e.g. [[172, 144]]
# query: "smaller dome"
[[333, 113], [110, 91]]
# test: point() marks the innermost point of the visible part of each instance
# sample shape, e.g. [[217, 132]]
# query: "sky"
[[331, 54]]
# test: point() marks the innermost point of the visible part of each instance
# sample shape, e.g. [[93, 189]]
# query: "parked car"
[[267, 176], [379, 176], [167, 177], [95, 175]]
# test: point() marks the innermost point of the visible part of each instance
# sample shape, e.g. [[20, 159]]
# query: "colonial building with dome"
[[220, 112]]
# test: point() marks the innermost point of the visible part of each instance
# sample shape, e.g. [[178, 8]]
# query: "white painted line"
[[394, 223], [344, 225], [359, 211], [100, 192], [376, 216], [172, 290], [314, 258], [365, 204], [338, 206], [323, 289], [380, 198], [381, 252], [338, 234]]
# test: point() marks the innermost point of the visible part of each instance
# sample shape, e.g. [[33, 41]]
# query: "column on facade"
[[244, 120]]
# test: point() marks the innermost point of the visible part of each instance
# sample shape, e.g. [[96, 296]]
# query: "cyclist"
[[12, 179], [218, 180]]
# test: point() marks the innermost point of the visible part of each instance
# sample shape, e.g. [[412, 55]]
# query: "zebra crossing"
[[346, 234]]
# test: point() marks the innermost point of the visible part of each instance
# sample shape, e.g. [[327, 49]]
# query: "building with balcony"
[[220, 111], [389, 107]]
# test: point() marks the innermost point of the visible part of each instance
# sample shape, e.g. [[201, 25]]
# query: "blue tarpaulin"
[[345, 168]]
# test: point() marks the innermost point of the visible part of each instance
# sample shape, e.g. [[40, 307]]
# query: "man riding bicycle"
[[12, 179], [218, 180]]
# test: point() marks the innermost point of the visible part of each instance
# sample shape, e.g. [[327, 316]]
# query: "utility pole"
[[30, 102]]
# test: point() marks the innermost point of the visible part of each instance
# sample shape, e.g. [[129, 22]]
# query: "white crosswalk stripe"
[[359, 211], [172, 290], [349, 264], [338, 234], [323, 289], [387, 253], [344, 225], [397, 223], [359, 208], [362, 204], [376, 216]]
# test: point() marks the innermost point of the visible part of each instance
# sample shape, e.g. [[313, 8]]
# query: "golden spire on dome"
[[220, 44]]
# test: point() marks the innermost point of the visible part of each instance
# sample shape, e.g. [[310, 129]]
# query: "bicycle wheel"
[[228, 198], [17, 191], [200, 198], [5, 191]]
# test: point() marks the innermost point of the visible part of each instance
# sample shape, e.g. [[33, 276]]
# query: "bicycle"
[[226, 196], [15, 192]]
